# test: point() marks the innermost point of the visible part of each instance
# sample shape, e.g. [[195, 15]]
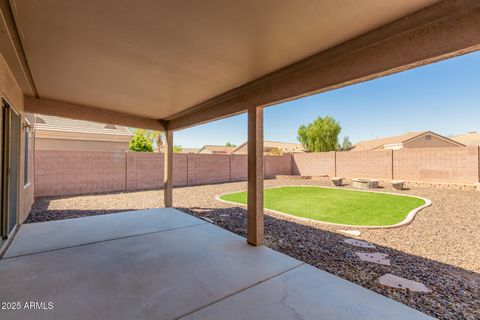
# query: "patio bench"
[[338, 181], [397, 184]]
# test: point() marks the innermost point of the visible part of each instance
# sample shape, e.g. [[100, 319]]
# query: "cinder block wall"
[[239, 167], [457, 165], [447, 165], [277, 165], [365, 164], [314, 164], [208, 168], [61, 172], [76, 172]]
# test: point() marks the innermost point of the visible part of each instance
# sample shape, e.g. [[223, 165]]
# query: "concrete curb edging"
[[408, 219]]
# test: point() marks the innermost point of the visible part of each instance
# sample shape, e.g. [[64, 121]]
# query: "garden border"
[[408, 219]]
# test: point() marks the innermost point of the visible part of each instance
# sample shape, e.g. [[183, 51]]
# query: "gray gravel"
[[440, 248]]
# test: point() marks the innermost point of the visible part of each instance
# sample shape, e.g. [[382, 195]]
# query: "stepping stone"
[[394, 281], [359, 243], [378, 258], [355, 233]]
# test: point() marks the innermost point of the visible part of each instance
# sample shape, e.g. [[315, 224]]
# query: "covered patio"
[[170, 65], [165, 264]]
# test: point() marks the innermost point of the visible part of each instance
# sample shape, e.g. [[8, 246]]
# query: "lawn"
[[336, 205]]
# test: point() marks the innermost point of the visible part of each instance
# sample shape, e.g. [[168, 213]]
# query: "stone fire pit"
[[364, 184]]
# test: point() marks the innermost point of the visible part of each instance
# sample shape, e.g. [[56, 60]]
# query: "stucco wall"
[[10, 91], [434, 142], [64, 144]]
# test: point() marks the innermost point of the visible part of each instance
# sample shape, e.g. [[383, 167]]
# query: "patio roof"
[[165, 264], [168, 65], [176, 64]]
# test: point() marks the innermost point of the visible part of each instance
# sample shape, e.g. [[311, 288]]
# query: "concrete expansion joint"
[[103, 241]]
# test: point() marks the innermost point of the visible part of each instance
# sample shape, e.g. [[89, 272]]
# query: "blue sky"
[[443, 97]]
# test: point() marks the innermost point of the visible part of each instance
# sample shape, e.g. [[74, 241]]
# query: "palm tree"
[[157, 138]]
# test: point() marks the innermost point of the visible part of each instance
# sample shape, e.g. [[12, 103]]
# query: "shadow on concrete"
[[40, 211], [454, 291]]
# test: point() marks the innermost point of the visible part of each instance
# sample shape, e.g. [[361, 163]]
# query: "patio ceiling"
[[171, 60]]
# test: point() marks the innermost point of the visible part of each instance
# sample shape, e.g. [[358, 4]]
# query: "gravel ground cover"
[[440, 248]]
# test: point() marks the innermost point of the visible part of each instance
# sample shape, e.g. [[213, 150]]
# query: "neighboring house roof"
[[400, 139], [190, 150], [63, 128], [469, 139], [283, 146], [215, 149]]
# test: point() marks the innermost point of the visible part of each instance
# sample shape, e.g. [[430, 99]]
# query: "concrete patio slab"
[[306, 293], [154, 276], [45, 236], [186, 268]]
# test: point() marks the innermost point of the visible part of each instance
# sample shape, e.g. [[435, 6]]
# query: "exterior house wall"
[[10, 91], [268, 146], [434, 142], [64, 144]]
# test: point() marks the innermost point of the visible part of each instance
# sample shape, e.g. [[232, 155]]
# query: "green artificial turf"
[[336, 205]]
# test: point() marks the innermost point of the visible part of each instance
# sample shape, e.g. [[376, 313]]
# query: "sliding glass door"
[[10, 162]]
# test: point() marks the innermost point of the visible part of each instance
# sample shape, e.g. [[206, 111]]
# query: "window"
[[428, 137], [26, 159]]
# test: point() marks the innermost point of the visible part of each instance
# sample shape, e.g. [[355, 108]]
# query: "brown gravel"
[[440, 248]]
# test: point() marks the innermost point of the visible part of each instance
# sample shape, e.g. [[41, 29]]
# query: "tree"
[[321, 135], [346, 144], [229, 144], [140, 142], [156, 138], [177, 149]]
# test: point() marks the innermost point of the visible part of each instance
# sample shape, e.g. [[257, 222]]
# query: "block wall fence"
[[79, 172], [61, 172], [443, 165]]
